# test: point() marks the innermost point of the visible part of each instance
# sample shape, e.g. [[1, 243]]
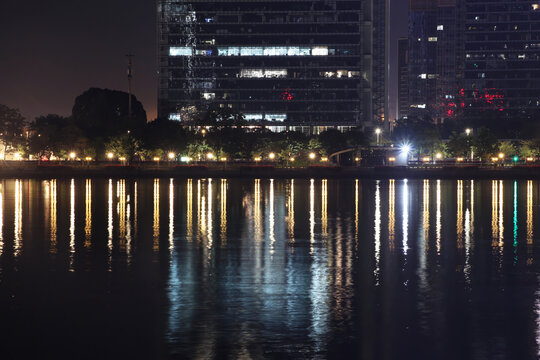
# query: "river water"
[[269, 269]]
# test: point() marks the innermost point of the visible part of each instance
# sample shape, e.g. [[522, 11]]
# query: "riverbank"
[[79, 170]]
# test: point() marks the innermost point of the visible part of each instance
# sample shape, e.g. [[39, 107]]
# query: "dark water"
[[269, 269]]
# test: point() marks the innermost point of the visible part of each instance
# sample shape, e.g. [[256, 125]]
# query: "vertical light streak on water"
[[311, 215], [135, 208], [459, 215], [88, 214], [494, 212], [171, 216], [438, 218], [405, 202], [110, 224], [271, 219], [223, 212], [290, 215], [17, 246], [189, 211], [128, 229], [424, 240], [515, 223], [156, 217], [324, 208], [391, 214], [469, 227], [377, 229], [501, 217], [121, 211], [319, 292], [52, 186], [71, 224], [530, 215], [257, 211], [210, 226], [356, 219]]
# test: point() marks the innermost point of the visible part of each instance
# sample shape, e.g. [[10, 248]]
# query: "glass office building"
[[282, 63]]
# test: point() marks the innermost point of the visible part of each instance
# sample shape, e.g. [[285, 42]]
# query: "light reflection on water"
[[273, 268]]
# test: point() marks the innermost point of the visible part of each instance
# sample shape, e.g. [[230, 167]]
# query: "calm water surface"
[[269, 269]]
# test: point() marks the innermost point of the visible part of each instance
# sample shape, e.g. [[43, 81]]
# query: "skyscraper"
[[502, 58], [286, 64], [403, 78], [435, 57]]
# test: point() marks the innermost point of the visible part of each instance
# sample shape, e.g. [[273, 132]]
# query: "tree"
[[459, 144], [123, 145], [485, 143], [102, 113], [507, 148], [11, 127]]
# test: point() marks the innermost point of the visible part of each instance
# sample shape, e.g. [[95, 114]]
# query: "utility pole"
[[129, 76]]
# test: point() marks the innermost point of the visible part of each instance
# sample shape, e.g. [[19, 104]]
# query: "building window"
[[175, 117], [181, 51], [253, 117], [440, 27], [319, 51], [208, 96], [432, 39], [275, 117]]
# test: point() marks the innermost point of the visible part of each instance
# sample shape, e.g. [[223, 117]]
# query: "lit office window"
[[319, 51], [253, 117], [175, 117], [275, 117], [181, 51], [208, 95]]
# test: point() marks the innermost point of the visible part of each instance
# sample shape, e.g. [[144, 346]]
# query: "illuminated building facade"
[[502, 57], [435, 57], [282, 63]]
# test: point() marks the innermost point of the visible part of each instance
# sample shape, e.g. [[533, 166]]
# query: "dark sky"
[[53, 50]]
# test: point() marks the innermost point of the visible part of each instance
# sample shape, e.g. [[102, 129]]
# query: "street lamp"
[[210, 156], [468, 132], [110, 155], [72, 155], [272, 156], [171, 155], [378, 133], [312, 156]]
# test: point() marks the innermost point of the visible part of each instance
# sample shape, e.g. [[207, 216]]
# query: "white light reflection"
[[271, 219], [223, 212], [210, 229], [311, 215], [377, 231], [71, 224], [530, 215], [88, 214], [356, 219], [438, 218], [459, 215], [324, 208], [424, 239], [405, 201], [469, 229], [1, 218], [391, 214], [189, 211], [155, 226], [171, 215], [290, 214], [17, 246], [110, 224], [52, 191]]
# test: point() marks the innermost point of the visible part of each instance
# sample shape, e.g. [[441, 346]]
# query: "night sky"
[[51, 51]]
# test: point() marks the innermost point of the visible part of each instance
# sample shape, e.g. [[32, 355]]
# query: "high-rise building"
[[403, 78], [435, 57], [502, 57], [284, 63]]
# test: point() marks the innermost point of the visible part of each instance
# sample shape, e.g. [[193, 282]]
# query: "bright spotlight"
[[406, 148]]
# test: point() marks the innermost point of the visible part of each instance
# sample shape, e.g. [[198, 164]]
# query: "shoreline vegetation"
[[35, 169]]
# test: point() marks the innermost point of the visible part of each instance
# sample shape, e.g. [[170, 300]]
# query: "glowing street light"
[[291, 159], [110, 155], [324, 159], [438, 156], [501, 155], [171, 155], [210, 156], [312, 156], [72, 155], [378, 133], [272, 156], [156, 158], [468, 131]]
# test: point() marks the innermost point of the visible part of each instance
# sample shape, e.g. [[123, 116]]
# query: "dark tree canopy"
[[11, 126], [104, 113]]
